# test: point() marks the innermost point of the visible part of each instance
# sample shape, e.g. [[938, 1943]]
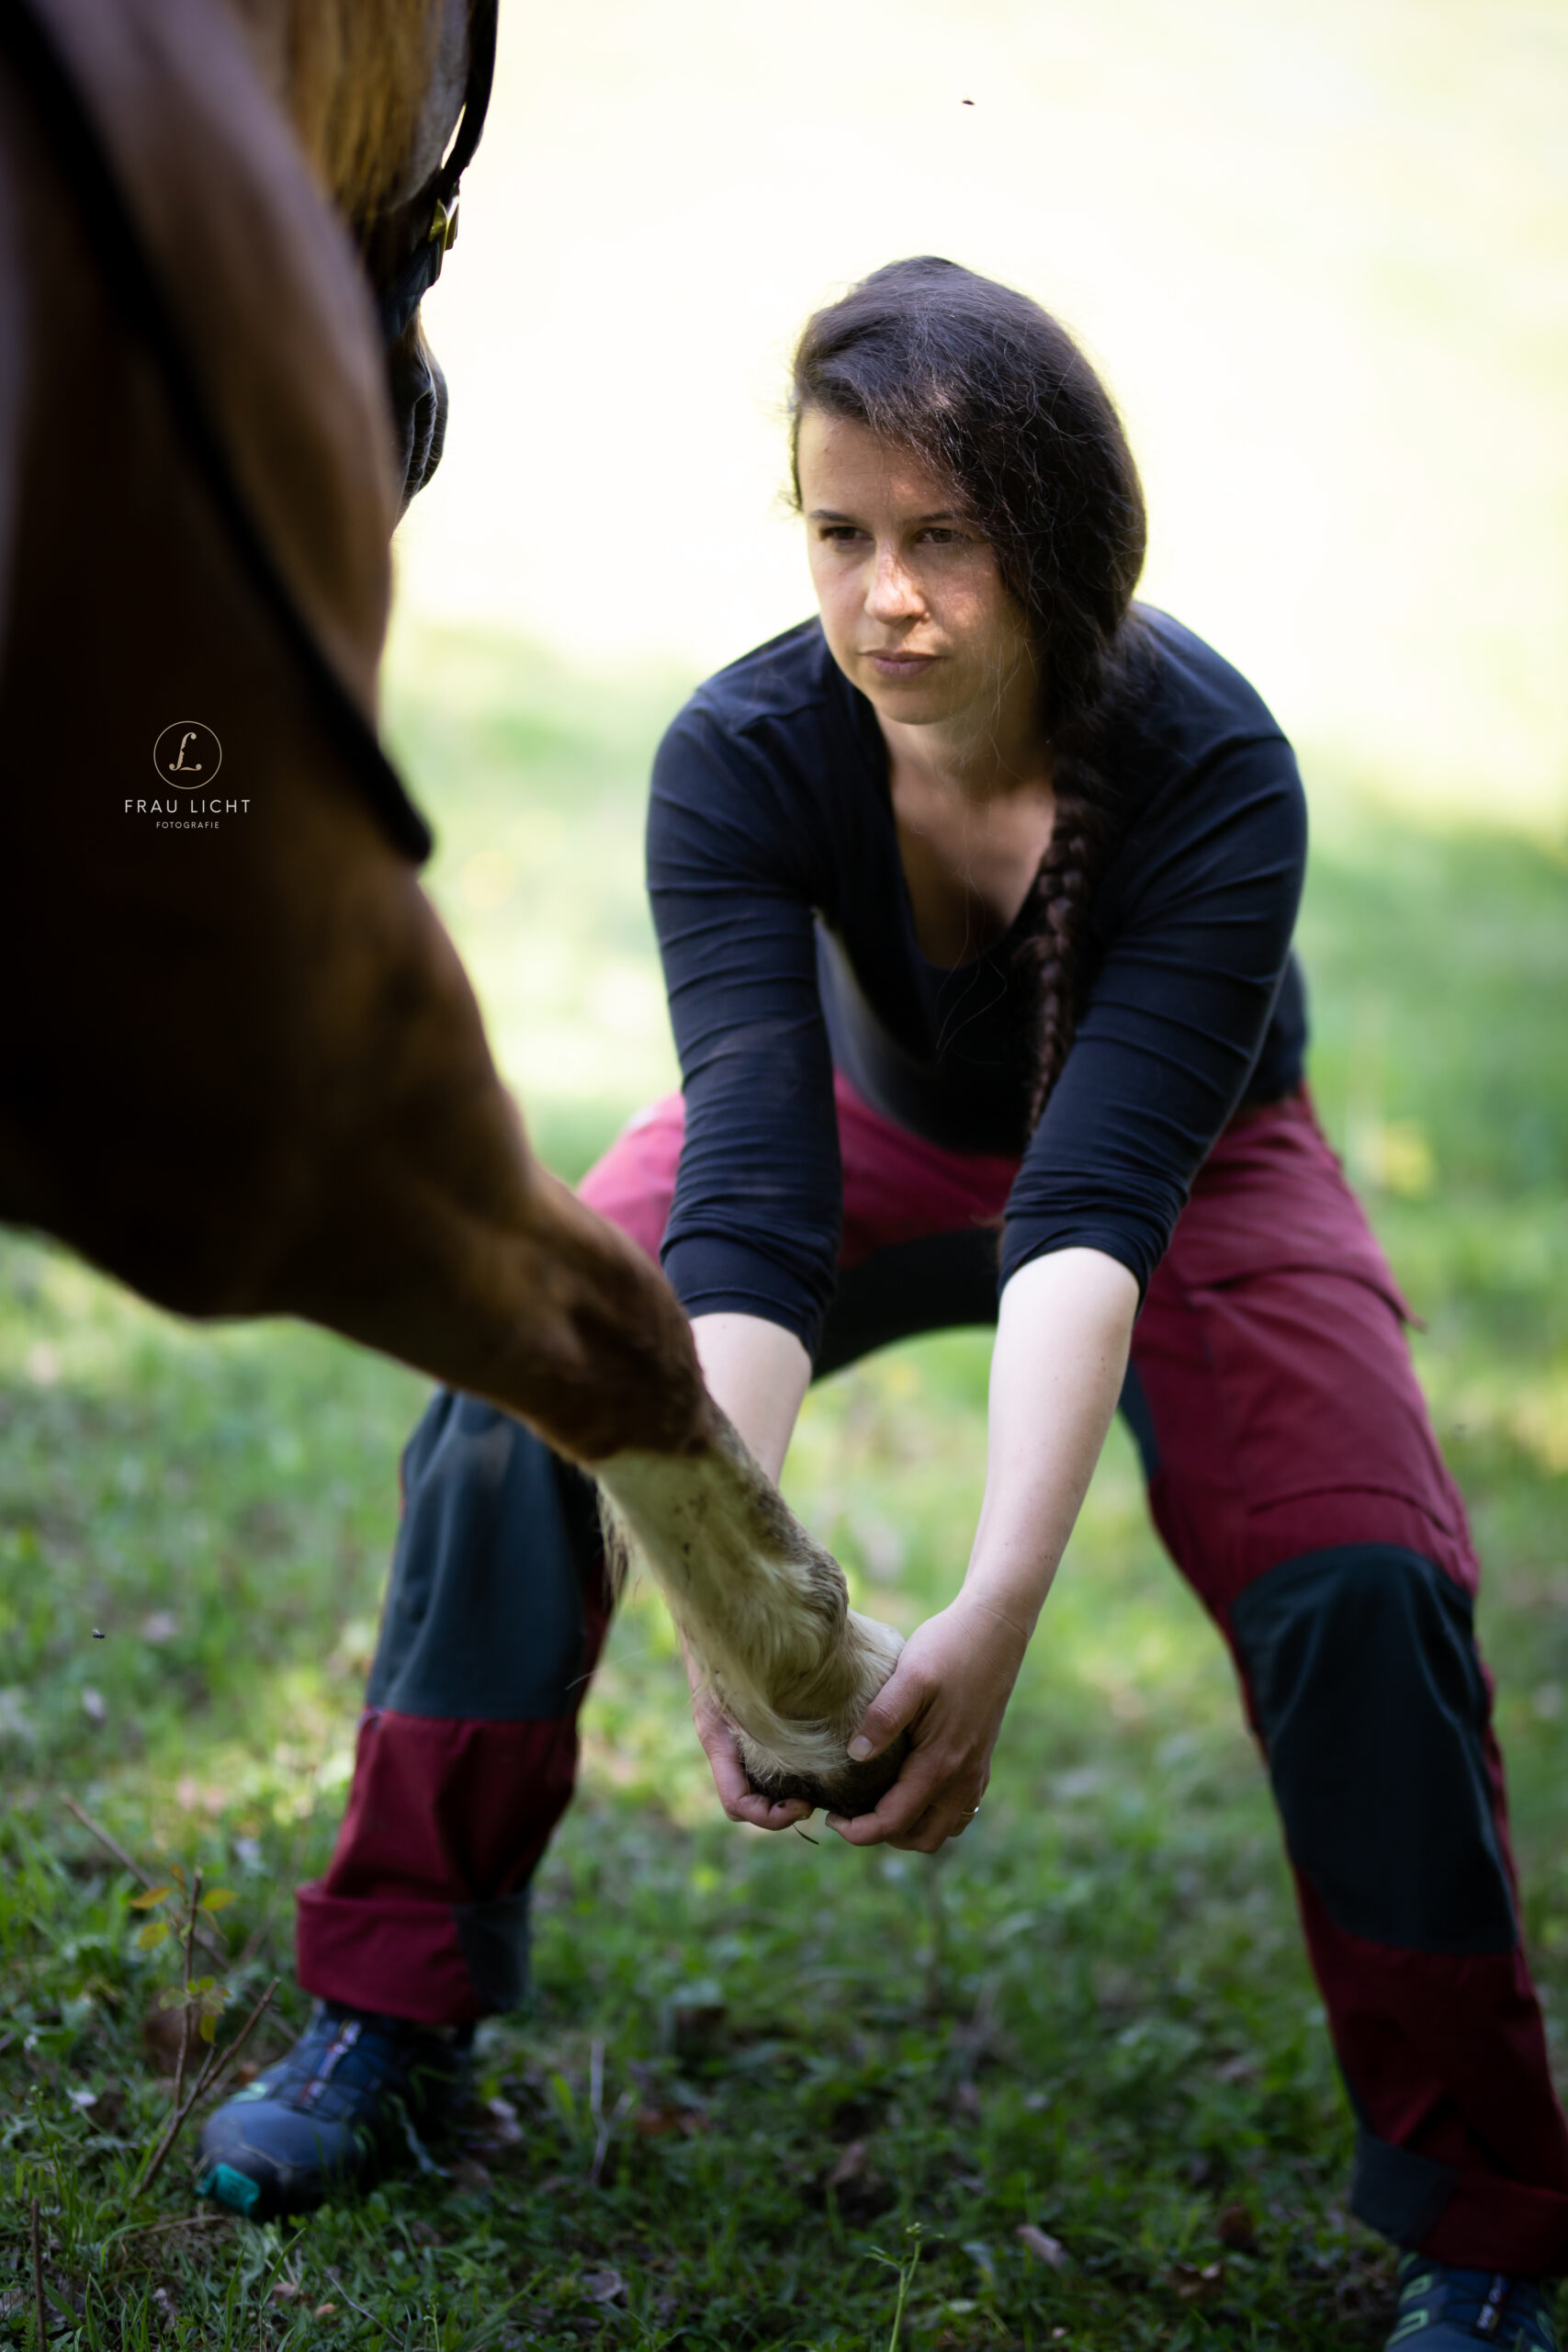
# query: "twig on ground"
[[348, 2298], [596, 2110], [39, 2321], [217, 2064], [181, 2222], [205, 1937], [605, 2126], [185, 2013]]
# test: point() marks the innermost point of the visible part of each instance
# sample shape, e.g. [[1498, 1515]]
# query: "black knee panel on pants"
[[484, 1615], [1362, 1666]]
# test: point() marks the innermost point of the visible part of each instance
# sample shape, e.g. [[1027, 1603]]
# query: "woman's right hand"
[[740, 1801]]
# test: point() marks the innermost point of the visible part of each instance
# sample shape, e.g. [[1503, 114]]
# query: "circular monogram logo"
[[188, 756]]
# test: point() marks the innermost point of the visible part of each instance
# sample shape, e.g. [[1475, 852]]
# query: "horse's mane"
[[352, 75]]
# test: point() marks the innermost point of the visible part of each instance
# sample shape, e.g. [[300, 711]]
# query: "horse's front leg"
[[764, 1609], [432, 1232]]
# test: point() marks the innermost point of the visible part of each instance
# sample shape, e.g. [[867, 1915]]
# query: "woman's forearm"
[[757, 1372], [1056, 1372]]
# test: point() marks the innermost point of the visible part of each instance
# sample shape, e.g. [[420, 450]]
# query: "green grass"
[[1092, 2017]]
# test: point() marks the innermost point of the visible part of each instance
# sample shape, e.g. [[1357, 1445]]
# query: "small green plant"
[[201, 2000], [906, 2270]]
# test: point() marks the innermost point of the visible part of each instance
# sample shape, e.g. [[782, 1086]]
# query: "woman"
[[974, 898]]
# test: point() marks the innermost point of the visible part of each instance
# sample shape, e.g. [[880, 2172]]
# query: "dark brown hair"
[[988, 391]]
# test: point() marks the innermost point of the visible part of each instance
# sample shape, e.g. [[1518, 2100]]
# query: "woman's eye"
[[841, 533]]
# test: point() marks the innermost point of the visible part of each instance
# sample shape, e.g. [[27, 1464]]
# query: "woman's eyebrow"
[[833, 515]]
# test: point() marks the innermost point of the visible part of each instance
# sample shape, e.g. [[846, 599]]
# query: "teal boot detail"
[[354, 2094], [1444, 2308]]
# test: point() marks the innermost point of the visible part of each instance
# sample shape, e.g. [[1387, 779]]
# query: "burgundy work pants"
[[1295, 1480]]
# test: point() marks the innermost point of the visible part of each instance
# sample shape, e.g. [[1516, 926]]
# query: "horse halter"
[[404, 251]]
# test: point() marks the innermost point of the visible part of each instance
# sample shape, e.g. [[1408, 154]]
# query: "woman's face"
[[912, 602]]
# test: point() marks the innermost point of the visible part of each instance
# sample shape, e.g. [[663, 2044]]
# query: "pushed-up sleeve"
[[758, 1201], [1199, 937]]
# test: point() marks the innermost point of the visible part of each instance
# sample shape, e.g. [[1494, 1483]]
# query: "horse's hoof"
[[850, 1789]]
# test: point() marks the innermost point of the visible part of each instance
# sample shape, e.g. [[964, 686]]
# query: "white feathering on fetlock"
[[764, 1609]]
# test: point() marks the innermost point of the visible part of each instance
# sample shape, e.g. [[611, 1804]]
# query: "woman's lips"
[[901, 665]]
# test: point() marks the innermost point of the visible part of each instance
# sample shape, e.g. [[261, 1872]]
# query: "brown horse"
[[243, 1069]]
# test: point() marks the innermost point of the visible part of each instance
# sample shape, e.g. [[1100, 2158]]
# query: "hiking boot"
[[353, 2093], [1442, 2309]]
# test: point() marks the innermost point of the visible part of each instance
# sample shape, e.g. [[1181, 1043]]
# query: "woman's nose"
[[893, 595]]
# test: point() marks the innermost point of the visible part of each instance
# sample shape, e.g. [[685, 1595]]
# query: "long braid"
[[1056, 927], [1084, 834]]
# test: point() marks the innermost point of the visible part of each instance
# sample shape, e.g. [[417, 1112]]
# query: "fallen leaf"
[[1042, 2247], [1195, 2286], [654, 2122], [1236, 2229], [93, 1704], [469, 2172], [426, 2234], [325, 2311], [850, 2166], [284, 2291], [604, 2285], [160, 1627]]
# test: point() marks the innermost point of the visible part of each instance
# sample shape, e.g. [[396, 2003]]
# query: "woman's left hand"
[[949, 1691]]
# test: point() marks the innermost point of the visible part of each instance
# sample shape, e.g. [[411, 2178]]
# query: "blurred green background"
[[1320, 252]]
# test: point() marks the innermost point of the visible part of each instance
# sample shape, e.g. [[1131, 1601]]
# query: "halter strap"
[[435, 204]]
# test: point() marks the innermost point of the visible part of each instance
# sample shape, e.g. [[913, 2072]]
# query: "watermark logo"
[[188, 756], [185, 759]]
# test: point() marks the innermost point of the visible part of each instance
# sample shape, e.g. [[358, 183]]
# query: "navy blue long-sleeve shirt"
[[788, 944]]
